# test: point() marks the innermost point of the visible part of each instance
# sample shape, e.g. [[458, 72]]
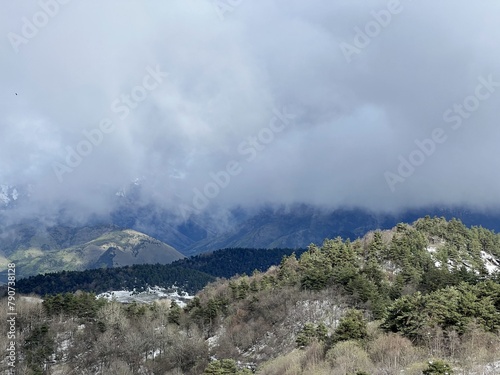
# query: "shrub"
[[393, 352], [438, 367], [352, 326], [349, 357]]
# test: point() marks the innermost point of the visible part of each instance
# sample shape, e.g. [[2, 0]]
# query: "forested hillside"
[[417, 299], [100, 280], [191, 274], [236, 261]]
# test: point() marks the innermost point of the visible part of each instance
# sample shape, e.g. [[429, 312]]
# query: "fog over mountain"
[[213, 104]]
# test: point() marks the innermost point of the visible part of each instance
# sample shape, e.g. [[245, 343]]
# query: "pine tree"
[[352, 326], [306, 335], [438, 368], [174, 315], [321, 332]]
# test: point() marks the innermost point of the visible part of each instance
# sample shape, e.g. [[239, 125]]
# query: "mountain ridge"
[[61, 248], [294, 227]]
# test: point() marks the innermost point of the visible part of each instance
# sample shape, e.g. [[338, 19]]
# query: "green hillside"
[[417, 299], [77, 250]]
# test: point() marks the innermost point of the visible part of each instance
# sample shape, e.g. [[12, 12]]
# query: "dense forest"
[[417, 299], [236, 261], [100, 280], [190, 274]]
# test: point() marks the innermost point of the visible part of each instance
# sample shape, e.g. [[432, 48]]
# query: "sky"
[[376, 104]]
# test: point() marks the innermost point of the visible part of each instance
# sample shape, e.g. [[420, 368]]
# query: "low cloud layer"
[[378, 104]]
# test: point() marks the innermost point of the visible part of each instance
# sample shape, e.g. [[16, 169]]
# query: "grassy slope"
[[128, 247]]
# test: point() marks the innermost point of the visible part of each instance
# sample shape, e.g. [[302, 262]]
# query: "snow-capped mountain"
[[8, 195]]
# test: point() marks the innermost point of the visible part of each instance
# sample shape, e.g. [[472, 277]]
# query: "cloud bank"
[[223, 103]]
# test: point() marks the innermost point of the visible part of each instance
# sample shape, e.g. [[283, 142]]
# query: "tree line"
[[190, 274]]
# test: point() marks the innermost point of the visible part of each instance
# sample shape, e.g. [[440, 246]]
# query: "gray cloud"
[[226, 77]]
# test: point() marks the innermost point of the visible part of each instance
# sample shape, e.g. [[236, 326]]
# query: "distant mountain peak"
[[8, 194], [38, 250]]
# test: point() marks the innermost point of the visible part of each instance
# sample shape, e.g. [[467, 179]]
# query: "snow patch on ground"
[[154, 354], [213, 341], [148, 296], [492, 368], [432, 250], [492, 265], [31, 299], [451, 265]]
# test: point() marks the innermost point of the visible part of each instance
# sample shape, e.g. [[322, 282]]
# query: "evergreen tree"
[[306, 335], [39, 345], [174, 314], [352, 326], [321, 332], [315, 268], [225, 367], [438, 368]]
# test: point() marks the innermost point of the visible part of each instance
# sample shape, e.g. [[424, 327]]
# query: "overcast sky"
[[314, 101]]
